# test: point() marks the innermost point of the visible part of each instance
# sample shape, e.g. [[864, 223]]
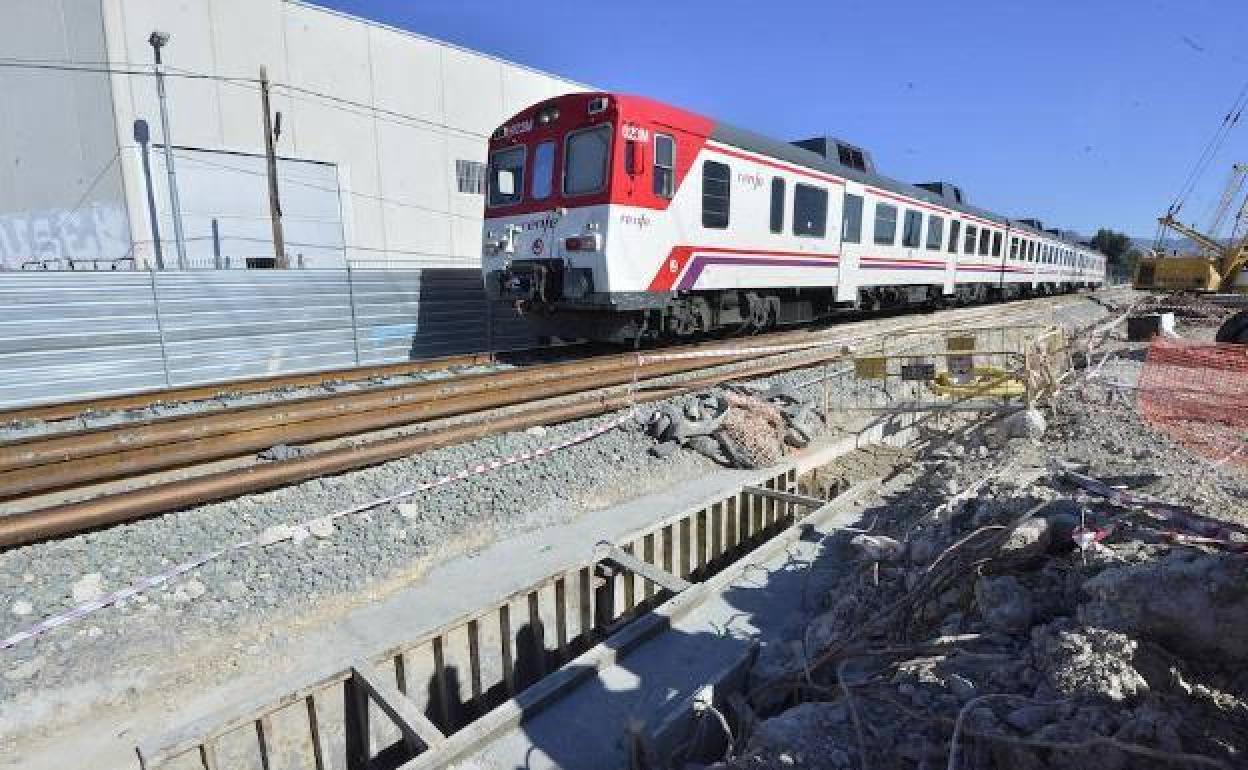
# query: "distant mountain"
[[1170, 244]]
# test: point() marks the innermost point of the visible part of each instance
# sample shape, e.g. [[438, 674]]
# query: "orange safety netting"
[[1197, 393]]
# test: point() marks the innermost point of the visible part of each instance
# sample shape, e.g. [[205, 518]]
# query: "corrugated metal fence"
[[78, 335]]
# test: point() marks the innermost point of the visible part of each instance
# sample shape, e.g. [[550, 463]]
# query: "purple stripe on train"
[[694, 271]]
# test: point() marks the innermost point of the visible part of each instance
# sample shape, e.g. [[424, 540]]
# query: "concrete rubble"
[[1000, 616]]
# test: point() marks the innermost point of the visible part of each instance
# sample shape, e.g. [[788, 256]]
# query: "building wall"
[[61, 192], [389, 110]]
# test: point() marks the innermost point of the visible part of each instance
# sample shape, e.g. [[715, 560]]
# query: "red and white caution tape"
[[140, 586], [278, 534]]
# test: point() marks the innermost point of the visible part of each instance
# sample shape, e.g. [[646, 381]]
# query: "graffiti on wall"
[[55, 238]]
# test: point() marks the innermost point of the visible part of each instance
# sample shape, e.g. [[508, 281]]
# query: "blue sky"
[[1083, 113]]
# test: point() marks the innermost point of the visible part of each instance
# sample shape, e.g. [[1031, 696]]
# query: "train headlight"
[[587, 242]]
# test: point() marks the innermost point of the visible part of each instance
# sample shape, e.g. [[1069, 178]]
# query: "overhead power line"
[[293, 91], [106, 68], [1229, 121]]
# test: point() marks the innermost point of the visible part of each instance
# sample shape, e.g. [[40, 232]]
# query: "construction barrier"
[[1197, 393]]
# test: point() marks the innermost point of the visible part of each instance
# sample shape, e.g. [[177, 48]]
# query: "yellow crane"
[[1218, 266], [1216, 270], [1234, 186]]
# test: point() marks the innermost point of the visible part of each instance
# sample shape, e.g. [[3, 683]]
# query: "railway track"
[[66, 483], [70, 410]]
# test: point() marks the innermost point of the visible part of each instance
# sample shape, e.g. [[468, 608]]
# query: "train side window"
[[968, 247], [664, 165], [1031, 251], [912, 229], [935, 232], [543, 170], [716, 194], [985, 236], [954, 231], [851, 223], [1013, 248], [996, 243], [885, 224], [810, 211]]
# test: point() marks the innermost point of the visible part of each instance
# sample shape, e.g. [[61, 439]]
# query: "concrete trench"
[[539, 653]]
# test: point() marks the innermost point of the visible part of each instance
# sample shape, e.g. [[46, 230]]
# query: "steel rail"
[[42, 450], [46, 464], [66, 410], [216, 437], [58, 520]]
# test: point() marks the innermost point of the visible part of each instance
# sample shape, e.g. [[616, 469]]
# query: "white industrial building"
[[382, 135]]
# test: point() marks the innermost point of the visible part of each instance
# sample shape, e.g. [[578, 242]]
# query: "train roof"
[[755, 142]]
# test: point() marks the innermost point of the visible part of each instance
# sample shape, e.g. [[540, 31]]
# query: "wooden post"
[[270, 152]]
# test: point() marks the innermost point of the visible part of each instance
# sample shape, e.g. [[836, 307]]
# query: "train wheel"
[[689, 318]]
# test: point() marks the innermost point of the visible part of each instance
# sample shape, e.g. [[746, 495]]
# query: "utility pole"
[[159, 40], [143, 135], [270, 151]]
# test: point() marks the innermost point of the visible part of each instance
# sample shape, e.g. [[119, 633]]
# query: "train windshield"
[[543, 170], [507, 176], [585, 160]]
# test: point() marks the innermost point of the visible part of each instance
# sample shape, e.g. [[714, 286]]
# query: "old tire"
[[1235, 330]]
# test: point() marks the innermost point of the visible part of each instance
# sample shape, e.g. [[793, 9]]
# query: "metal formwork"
[[405, 700]]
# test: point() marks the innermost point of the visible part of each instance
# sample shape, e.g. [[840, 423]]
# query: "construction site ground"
[[1014, 615], [1025, 622]]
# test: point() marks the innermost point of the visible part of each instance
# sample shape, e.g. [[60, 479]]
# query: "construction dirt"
[[1067, 590]]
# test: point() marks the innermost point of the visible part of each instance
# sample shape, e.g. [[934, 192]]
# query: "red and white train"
[[617, 217]]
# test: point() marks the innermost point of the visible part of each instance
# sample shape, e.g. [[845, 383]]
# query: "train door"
[[951, 249], [852, 237], [996, 255], [943, 252]]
